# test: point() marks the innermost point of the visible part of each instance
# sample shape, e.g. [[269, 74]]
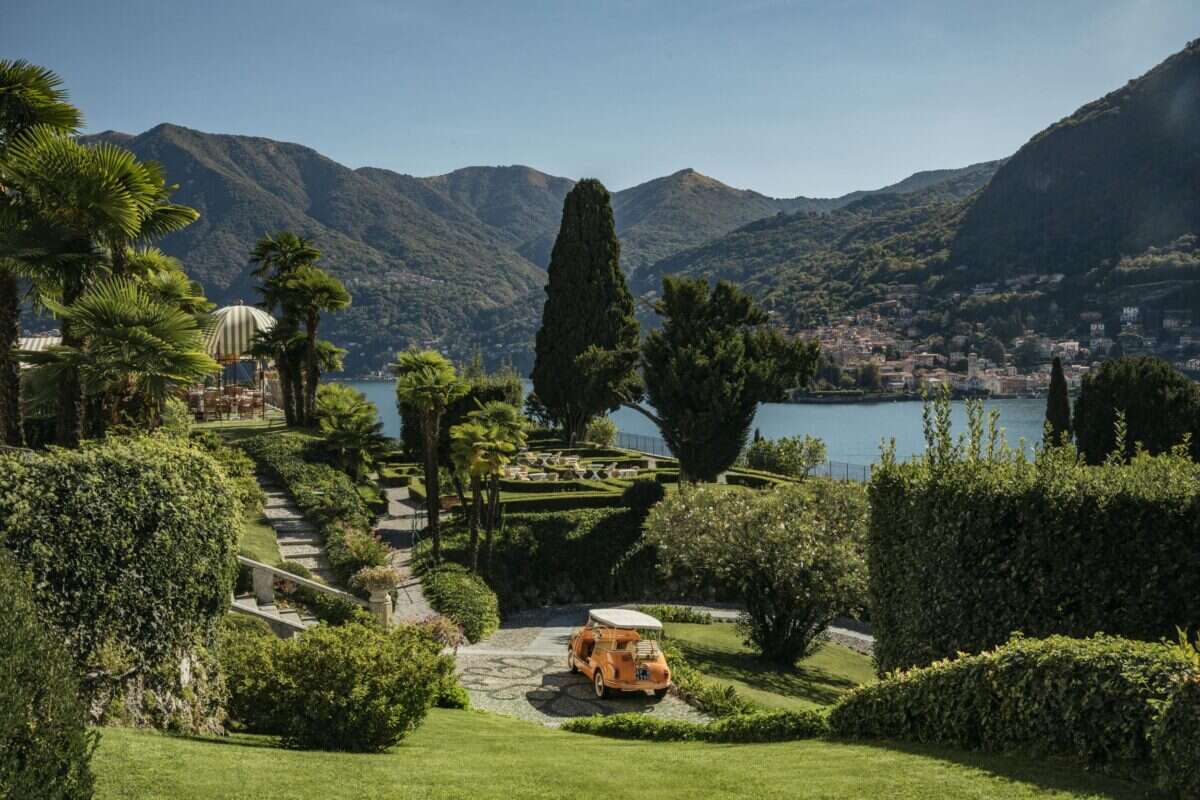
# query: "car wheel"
[[598, 682], [660, 693], [571, 662]]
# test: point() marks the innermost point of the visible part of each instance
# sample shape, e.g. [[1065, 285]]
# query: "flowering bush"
[[794, 555]]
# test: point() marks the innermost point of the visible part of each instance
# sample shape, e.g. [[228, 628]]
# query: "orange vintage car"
[[613, 653]]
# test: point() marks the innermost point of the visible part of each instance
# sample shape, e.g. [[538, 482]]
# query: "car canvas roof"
[[624, 618]]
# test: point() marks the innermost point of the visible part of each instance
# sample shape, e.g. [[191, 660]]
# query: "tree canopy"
[[1161, 406], [710, 365], [588, 307]]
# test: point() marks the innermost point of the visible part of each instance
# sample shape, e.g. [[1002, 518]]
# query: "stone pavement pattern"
[[522, 671]]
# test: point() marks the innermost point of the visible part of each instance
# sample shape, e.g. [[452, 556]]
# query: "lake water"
[[852, 432]]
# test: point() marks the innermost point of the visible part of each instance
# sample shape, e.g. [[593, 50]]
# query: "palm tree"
[[134, 350], [427, 382], [164, 279], [351, 427], [507, 427], [82, 204], [29, 96], [307, 291], [469, 446], [275, 258]]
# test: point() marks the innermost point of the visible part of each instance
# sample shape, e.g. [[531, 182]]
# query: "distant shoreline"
[[838, 398]]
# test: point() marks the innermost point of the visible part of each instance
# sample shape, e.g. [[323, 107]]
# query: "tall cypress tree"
[[1058, 405], [588, 308]]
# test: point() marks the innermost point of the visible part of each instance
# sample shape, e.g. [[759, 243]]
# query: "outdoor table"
[[537, 476], [629, 472]]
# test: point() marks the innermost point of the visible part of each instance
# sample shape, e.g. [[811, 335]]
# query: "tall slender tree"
[[588, 307], [1058, 405], [276, 257], [426, 381], [307, 291], [29, 96]]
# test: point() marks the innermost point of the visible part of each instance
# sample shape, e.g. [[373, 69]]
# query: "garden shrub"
[[45, 748], [1177, 741], [352, 687], [562, 557], [794, 556], [971, 542], [1094, 700], [462, 596], [248, 654], [775, 726], [326, 607], [601, 431], [641, 496], [713, 698], [562, 502], [132, 542], [328, 498], [685, 614], [239, 468], [794, 456]]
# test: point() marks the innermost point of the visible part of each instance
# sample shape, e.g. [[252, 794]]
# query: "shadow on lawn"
[[1044, 773], [804, 682]]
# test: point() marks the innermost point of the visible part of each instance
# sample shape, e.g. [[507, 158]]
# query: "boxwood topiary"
[[45, 748], [132, 542], [641, 496], [774, 726], [463, 597], [1094, 700]]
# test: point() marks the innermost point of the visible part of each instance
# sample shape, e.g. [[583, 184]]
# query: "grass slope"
[[469, 754], [718, 652]]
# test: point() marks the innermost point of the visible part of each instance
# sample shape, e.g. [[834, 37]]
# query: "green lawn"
[[718, 652], [234, 429], [459, 754], [258, 540]]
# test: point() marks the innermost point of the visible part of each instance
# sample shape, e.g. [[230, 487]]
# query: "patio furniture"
[[537, 476], [627, 472]]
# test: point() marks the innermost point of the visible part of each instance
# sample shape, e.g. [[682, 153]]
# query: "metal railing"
[[837, 470]]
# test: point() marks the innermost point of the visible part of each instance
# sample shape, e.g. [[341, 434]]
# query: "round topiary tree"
[[45, 748]]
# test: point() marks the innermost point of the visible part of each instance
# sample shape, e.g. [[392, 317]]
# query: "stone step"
[[301, 538], [295, 552]]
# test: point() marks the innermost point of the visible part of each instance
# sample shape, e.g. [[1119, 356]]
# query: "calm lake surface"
[[852, 432]]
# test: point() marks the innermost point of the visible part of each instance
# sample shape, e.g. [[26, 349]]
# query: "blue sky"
[[814, 98]]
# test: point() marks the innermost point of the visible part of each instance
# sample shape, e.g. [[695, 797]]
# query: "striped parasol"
[[38, 343], [233, 329]]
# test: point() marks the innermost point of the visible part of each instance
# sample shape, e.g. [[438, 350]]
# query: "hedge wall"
[[963, 551], [132, 542], [562, 557], [1093, 700]]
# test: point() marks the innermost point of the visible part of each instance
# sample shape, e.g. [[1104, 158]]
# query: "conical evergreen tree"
[[1058, 405], [588, 306]]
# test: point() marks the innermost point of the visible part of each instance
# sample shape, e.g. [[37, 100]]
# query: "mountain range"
[[457, 261]]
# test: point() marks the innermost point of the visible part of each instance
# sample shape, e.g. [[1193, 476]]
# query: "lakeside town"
[[887, 348]]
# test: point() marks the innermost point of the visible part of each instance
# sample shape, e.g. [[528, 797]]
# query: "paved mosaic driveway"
[[522, 671]]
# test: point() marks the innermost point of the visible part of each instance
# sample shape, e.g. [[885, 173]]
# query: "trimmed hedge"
[[328, 498], [1177, 741], [713, 698], [964, 550], [132, 542], [1094, 700], [353, 687], [685, 614], [563, 557], [775, 726], [464, 598], [45, 747]]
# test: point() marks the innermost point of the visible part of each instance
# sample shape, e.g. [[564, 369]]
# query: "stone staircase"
[[298, 538], [284, 621]]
